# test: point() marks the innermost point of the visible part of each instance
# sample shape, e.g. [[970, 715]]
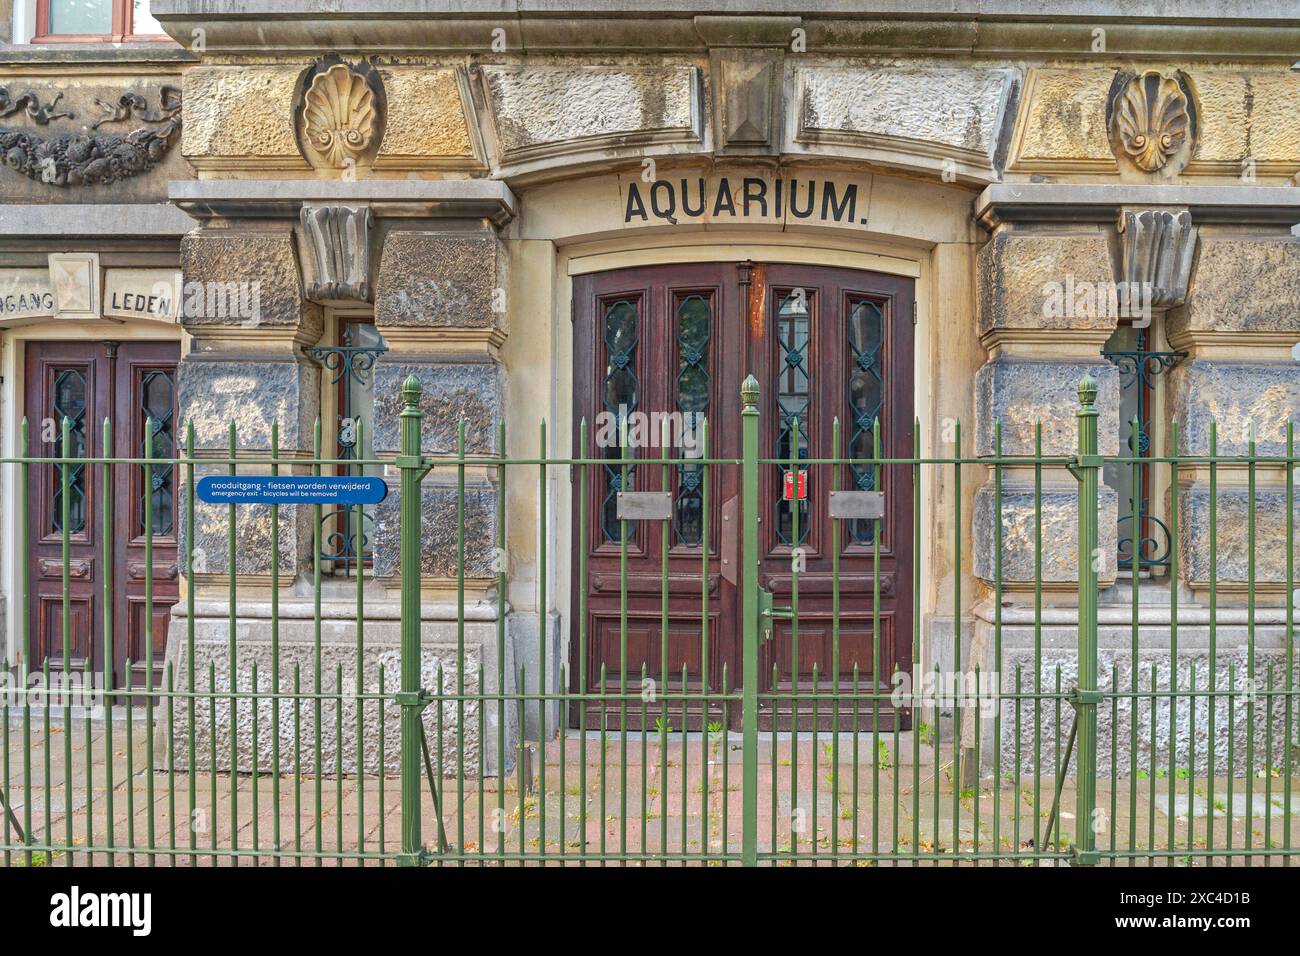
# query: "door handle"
[[767, 612]]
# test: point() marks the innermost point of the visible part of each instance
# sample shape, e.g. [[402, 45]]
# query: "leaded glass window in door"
[[793, 402], [694, 316], [69, 405], [865, 393], [157, 411], [621, 394]]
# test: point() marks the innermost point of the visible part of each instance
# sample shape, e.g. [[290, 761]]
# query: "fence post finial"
[[749, 392], [411, 391], [1088, 391]]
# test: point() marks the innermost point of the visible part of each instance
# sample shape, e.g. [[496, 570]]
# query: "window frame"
[[333, 401], [123, 13], [1156, 475]]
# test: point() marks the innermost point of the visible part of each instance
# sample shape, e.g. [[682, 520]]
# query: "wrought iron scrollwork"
[[694, 329], [158, 407], [69, 406]]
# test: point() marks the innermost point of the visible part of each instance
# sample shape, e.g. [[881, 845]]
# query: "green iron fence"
[[1052, 754]]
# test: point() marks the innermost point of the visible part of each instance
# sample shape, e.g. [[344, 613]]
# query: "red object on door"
[[788, 492]]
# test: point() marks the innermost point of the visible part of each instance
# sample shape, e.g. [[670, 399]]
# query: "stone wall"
[[438, 305], [1134, 730], [1240, 381], [1039, 350], [354, 734]]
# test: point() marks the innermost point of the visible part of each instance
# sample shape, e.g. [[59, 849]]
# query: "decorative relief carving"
[[340, 117], [1151, 120], [31, 104], [134, 106], [84, 160], [339, 240], [1158, 245]]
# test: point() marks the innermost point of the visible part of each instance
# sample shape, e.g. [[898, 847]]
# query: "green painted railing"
[[666, 773]]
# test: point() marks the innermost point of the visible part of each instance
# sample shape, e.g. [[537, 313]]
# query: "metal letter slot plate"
[[857, 504], [645, 505]]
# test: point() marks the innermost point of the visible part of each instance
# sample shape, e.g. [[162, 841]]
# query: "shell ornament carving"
[[1151, 120], [339, 118]]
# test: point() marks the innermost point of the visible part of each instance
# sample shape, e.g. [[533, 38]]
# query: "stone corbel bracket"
[[1156, 251], [338, 239]]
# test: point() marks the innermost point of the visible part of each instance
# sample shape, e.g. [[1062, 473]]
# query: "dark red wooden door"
[[827, 344], [130, 383], [680, 339]]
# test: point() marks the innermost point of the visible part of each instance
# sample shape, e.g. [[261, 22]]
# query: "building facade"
[[920, 218]]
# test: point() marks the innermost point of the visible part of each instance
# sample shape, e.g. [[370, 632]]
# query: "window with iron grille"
[[348, 378], [1143, 358]]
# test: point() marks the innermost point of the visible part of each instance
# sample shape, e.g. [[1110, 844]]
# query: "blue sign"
[[291, 490]]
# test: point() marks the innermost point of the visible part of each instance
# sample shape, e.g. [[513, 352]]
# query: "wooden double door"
[[824, 343], [133, 385]]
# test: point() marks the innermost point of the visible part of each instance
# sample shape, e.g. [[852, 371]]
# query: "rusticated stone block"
[[360, 722], [538, 109], [1238, 720], [440, 280], [244, 280], [1245, 113], [1059, 530], [1232, 565], [1031, 281], [425, 116], [253, 539], [470, 390], [219, 121], [1235, 395], [253, 395], [1066, 119], [438, 555], [1242, 285], [941, 107], [1020, 392]]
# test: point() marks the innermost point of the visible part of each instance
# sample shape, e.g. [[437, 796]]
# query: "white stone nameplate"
[[25, 294], [152, 294]]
